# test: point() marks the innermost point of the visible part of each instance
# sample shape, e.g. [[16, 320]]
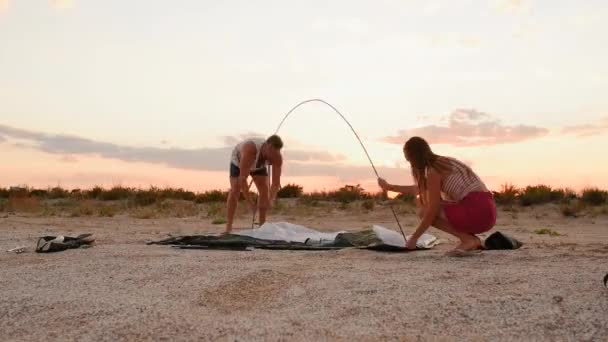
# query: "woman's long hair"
[[421, 157]]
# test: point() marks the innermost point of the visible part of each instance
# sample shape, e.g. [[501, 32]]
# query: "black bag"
[[499, 240], [48, 244]]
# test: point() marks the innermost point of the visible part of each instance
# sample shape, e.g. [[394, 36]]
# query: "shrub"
[[547, 231], [507, 195], [369, 204], [308, 200], [146, 197], [594, 196], [107, 211], [58, 192], [538, 194], [18, 203], [407, 198], [219, 220], [290, 191], [563, 195], [4, 193], [572, 208], [212, 196], [116, 193], [39, 193], [95, 193], [349, 193]]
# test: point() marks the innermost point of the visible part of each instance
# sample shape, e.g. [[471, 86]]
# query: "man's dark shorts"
[[235, 171]]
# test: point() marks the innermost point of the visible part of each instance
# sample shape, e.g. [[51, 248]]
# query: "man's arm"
[[276, 180], [248, 153]]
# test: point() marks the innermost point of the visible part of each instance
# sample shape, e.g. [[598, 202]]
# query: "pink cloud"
[[469, 127], [4, 4], [587, 130]]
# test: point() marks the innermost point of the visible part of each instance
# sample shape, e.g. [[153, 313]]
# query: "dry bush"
[[594, 196], [144, 213], [547, 231], [368, 205], [107, 211], [572, 208], [85, 208], [23, 204], [180, 208], [507, 195]]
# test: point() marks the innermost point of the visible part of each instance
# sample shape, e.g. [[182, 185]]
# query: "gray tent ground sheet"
[[288, 236]]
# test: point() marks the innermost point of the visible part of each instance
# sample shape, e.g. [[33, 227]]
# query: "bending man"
[[252, 157]]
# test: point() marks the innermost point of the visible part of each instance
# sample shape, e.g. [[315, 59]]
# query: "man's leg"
[[261, 182], [233, 200]]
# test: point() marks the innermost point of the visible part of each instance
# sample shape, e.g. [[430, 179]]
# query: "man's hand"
[[251, 204]]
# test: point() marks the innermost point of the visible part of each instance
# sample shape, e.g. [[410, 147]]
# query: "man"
[[251, 157]]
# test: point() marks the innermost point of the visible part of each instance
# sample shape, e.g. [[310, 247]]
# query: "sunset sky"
[[146, 92]]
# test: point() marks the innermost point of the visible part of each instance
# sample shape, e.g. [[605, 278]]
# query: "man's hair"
[[275, 141]]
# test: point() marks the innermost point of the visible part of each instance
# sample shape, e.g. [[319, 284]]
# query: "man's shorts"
[[235, 171]]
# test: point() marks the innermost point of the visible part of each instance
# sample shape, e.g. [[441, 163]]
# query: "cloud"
[[4, 4], [468, 127], [68, 158], [454, 39], [2, 139], [62, 4], [514, 6], [587, 130], [290, 154], [207, 159]]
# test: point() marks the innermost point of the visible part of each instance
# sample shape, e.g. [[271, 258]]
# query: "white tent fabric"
[[393, 238], [285, 231]]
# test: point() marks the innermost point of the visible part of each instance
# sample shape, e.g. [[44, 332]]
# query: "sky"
[[146, 92]]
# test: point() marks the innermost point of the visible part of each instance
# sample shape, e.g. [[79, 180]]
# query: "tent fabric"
[[284, 235]]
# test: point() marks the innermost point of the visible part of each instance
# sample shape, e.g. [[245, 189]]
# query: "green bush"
[[146, 197], [116, 193], [594, 196], [95, 193], [58, 192], [290, 191], [572, 208], [563, 195], [508, 194], [537, 194], [212, 196], [369, 204], [349, 193]]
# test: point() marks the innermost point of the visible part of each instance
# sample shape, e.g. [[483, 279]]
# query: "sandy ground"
[[122, 289]]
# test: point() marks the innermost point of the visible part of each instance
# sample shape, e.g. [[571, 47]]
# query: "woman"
[[451, 197]]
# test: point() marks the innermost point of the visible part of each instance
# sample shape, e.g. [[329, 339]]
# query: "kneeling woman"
[[451, 197]]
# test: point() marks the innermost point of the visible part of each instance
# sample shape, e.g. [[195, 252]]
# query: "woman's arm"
[[404, 189], [431, 210]]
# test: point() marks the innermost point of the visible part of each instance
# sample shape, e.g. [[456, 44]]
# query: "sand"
[[122, 289]]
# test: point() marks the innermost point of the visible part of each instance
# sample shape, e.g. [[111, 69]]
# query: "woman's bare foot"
[[471, 243]]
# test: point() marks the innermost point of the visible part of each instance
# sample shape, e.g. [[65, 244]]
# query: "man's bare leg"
[[233, 200], [261, 182]]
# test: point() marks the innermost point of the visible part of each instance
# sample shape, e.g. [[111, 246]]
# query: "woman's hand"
[[383, 184], [411, 243]]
